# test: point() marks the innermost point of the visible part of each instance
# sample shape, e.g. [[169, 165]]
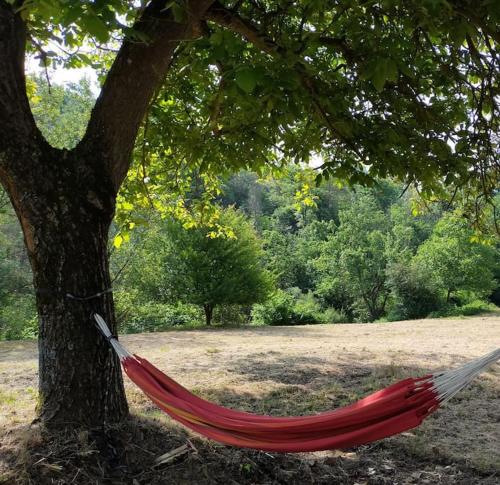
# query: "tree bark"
[[209, 310], [138, 70], [65, 225], [65, 203]]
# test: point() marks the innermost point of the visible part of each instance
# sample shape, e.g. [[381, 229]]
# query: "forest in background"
[[281, 251]]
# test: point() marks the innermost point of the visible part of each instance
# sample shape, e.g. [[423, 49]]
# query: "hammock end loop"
[[102, 326]]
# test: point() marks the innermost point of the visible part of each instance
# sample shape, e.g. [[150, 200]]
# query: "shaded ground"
[[274, 370]]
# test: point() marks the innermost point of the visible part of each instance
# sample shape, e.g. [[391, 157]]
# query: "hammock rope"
[[395, 409]]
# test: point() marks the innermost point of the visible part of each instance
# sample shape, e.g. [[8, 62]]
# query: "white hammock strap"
[[449, 383], [120, 350]]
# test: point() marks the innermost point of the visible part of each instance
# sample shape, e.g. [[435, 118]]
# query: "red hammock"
[[399, 407]]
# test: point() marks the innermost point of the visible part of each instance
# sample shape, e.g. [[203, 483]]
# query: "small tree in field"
[[210, 271], [455, 261]]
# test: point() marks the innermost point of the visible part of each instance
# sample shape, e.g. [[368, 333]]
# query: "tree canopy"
[[61, 112], [456, 261], [375, 89]]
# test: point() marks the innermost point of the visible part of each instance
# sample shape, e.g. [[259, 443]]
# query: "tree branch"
[[478, 22], [137, 72], [230, 19], [17, 126], [215, 110]]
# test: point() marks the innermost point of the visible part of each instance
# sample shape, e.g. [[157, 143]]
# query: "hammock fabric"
[[395, 409]]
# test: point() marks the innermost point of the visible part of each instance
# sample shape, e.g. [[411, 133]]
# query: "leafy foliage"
[[200, 269], [17, 309], [61, 112], [293, 308], [384, 85], [408, 90], [355, 258], [455, 261], [413, 293], [334, 255]]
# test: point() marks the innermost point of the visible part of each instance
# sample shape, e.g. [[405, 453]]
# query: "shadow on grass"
[[18, 350], [127, 453], [457, 445], [302, 370], [462, 433]]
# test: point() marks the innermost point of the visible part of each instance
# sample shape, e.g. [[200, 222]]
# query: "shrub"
[[291, 307], [155, 317], [306, 309], [474, 307], [18, 319], [277, 310], [332, 315], [232, 314], [333, 295], [413, 294]]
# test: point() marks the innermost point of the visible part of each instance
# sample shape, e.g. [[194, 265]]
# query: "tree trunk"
[[65, 203], [209, 310], [65, 219], [79, 375]]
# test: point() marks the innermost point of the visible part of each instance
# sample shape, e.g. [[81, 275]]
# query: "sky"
[[63, 76]]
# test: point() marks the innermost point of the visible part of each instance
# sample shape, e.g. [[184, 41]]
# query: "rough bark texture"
[[65, 202], [65, 225], [80, 377]]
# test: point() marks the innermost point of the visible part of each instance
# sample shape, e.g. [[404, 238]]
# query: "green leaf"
[[97, 28], [246, 79], [344, 128], [391, 69], [73, 14], [117, 241], [179, 12], [378, 80], [217, 37], [384, 70], [405, 69], [127, 206]]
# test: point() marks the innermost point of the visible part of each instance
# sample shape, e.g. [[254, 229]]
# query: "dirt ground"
[[273, 370]]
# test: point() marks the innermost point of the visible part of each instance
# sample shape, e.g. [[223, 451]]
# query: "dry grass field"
[[274, 370]]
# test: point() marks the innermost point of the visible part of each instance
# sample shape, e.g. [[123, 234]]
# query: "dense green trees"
[[61, 112], [354, 260], [455, 262], [17, 310], [356, 256]]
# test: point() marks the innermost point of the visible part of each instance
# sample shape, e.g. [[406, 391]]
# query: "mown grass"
[[280, 371]]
